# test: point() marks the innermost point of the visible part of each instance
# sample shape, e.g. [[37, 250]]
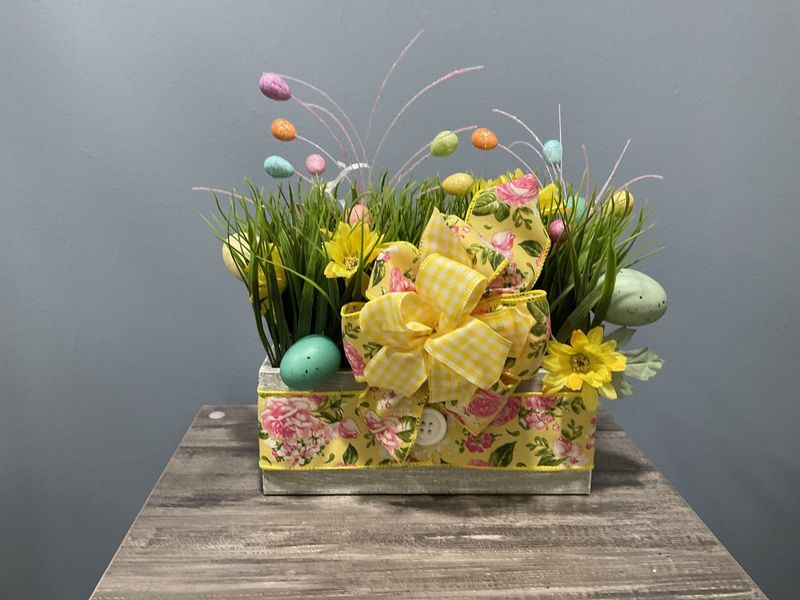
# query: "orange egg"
[[283, 130], [484, 139]]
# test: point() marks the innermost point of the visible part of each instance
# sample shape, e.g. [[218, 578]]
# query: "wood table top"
[[207, 532]]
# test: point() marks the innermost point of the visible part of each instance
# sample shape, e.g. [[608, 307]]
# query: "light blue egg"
[[638, 299], [578, 207], [278, 167], [552, 151], [310, 362]]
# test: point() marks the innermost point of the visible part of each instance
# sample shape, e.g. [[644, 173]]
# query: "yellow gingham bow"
[[430, 334], [457, 312]]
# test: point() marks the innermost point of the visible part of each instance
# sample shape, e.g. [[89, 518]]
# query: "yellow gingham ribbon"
[[457, 313], [430, 335]]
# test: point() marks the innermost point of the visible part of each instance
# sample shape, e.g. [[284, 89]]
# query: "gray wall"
[[117, 320]]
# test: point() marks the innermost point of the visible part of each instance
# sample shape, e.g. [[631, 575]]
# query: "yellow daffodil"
[[482, 184], [348, 244], [585, 364]]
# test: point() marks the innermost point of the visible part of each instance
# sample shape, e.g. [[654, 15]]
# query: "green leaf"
[[622, 385], [642, 364], [503, 455], [406, 436], [327, 417], [501, 212], [350, 456], [378, 271], [621, 335], [484, 205], [330, 458], [531, 247], [548, 460]]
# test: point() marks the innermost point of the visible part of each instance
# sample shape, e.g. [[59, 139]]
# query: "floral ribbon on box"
[[454, 323], [333, 430]]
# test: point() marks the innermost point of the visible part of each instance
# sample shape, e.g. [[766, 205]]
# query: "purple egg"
[[274, 87], [557, 230], [315, 164]]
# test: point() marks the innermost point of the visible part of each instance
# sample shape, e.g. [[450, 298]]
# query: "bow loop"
[[435, 283], [401, 320], [472, 351], [442, 314]]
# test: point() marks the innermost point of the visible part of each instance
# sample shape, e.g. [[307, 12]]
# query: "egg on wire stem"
[[405, 169], [315, 164], [310, 108], [318, 147], [532, 147], [316, 109], [335, 105], [484, 139], [427, 88], [520, 122]]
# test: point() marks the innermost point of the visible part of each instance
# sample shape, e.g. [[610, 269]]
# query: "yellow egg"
[[484, 139], [621, 202], [242, 250], [457, 184], [283, 130], [238, 244]]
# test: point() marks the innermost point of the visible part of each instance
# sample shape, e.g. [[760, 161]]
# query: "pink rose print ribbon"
[[452, 323]]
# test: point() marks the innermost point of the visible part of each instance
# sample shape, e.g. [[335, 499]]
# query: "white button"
[[432, 427]]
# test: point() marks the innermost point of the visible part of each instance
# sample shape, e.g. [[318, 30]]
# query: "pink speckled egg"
[[359, 213], [315, 164], [557, 230], [274, 87]]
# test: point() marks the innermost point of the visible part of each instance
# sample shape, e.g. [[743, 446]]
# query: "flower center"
[[350, 263], [579, 363]]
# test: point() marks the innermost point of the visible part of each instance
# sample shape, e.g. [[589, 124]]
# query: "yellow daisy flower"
[[347, 246], [585, 364]]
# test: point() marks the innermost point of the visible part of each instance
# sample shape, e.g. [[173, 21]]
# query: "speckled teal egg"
[[553, 151], [310, 362], [638, 299], [444, 144], [277, 166]]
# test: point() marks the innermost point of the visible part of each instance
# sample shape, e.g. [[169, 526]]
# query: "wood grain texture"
[[207, 533]]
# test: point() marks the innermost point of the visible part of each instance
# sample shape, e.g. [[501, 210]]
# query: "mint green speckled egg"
[[310, 362], [278, 167], [638, 299]]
